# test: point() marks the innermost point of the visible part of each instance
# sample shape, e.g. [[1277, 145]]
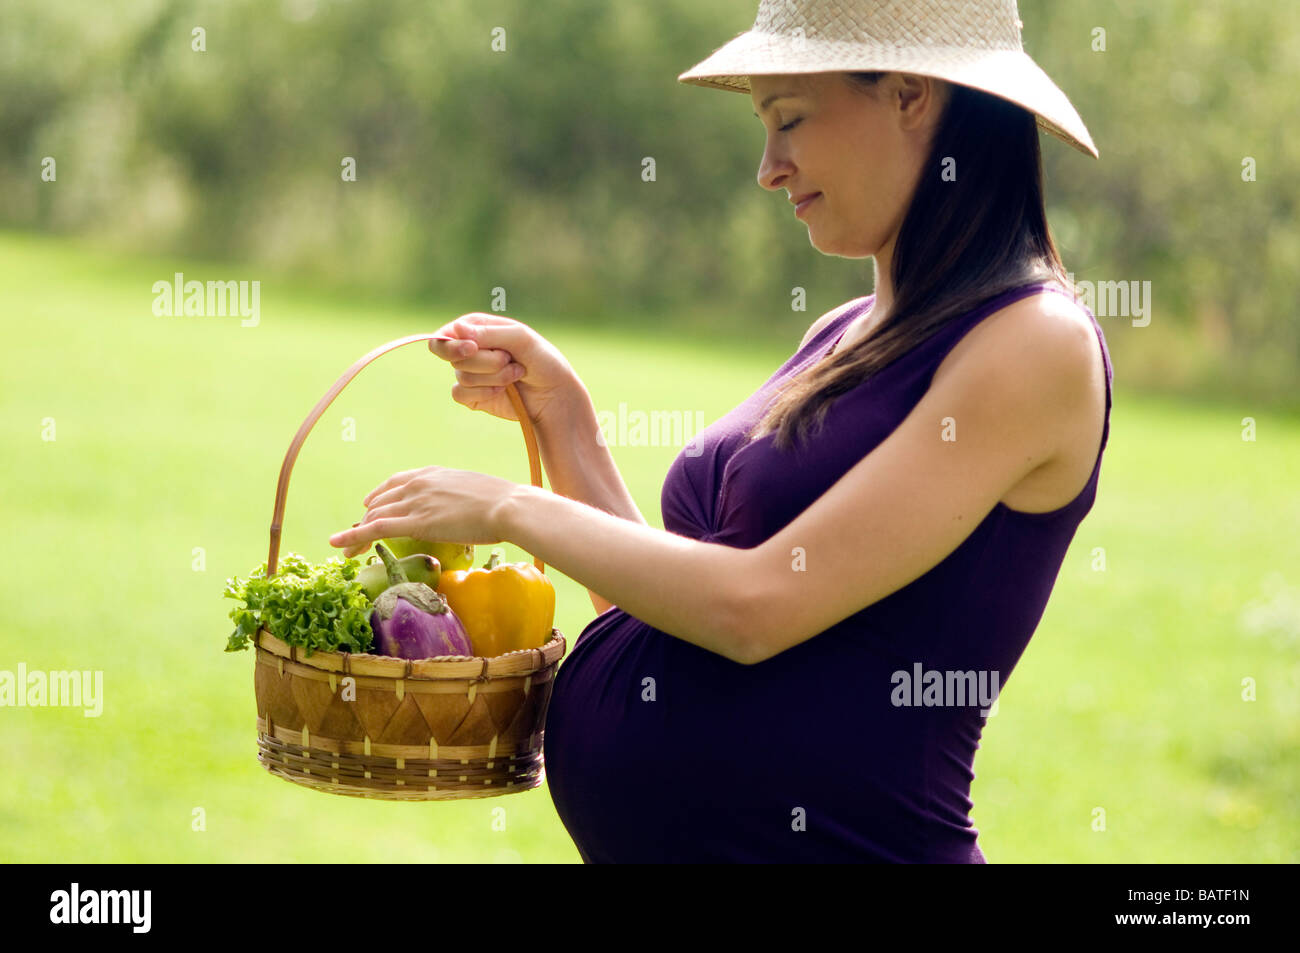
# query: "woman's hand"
[[494, 350], [436, 504]]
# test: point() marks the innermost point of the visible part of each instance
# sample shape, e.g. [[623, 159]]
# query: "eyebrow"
[[773, 98]]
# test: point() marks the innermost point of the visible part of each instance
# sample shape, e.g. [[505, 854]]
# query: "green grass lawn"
[[169, 434]]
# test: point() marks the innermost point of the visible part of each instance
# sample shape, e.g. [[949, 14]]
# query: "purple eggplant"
[[412, 621]]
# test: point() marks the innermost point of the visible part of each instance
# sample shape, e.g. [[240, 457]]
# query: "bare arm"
[[489, 350], [580, 468], [919, 494], [682, 586]]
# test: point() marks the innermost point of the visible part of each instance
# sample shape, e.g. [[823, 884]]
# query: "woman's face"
[[862, 151]]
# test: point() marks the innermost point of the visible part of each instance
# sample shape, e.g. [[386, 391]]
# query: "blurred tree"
[[520, 165]]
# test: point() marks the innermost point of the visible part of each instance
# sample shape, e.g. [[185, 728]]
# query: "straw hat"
[[970, 42]]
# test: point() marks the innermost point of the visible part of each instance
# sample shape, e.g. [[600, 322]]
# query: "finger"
[[398, 507], [454, 351], [494, 332], [473, 396], [472, 321], [355, 549], [390, 496], [366, 533], [397, 479], [499, 376], [467, 325], [484, 359], [385, 514], [463, 329]]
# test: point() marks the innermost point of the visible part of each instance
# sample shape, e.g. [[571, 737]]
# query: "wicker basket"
[[381, 727]]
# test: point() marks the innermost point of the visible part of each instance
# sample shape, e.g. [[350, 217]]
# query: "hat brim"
[[1009, 74]]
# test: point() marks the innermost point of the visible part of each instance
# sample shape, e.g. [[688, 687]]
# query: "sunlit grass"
[[169, 436]]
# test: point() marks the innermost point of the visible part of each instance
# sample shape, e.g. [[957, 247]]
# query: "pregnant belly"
[[657, 750], [605, 741], [629, 692]]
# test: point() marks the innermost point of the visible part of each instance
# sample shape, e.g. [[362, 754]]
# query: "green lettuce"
[[314, 607]]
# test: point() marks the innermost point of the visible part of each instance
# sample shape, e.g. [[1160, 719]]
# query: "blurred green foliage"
[[521, 168]]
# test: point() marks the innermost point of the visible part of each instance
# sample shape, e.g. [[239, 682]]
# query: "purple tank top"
[[659, 751]]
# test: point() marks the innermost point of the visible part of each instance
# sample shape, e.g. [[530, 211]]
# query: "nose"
[[773, 169]]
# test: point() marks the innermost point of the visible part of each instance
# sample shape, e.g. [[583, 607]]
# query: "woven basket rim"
[[443, 666]]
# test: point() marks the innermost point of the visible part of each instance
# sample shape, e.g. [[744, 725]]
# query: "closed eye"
[[790, 125]]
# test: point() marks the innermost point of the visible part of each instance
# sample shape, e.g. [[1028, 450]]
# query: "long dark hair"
[[961, 243]]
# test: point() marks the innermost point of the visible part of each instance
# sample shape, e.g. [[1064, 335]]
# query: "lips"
[[804, 202], [799, 200]]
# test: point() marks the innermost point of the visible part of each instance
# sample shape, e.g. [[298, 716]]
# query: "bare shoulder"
[[828, 317], [1045, 336], [1047, 344]]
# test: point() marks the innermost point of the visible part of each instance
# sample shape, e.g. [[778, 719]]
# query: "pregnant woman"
[[798, 667]]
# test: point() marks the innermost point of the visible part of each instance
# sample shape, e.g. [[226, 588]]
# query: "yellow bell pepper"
[[503, 606]]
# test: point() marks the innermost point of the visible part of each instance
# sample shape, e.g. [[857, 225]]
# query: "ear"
[[916, 98]]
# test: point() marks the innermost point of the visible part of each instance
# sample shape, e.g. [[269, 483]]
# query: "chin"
[[839, 251]]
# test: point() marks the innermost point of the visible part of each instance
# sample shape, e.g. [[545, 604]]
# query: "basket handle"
[[282, 489]]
